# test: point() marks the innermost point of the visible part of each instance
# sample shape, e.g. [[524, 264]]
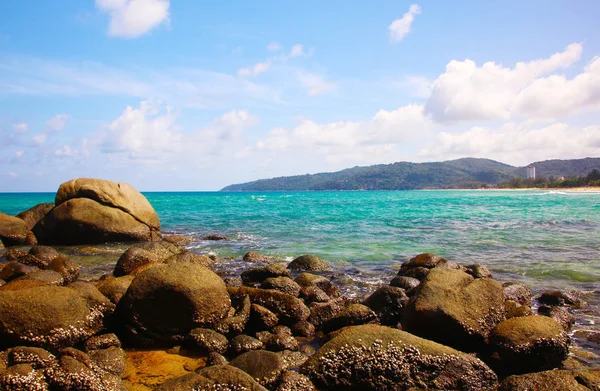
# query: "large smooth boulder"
[[453, 308], [14, 231], [164, 303], [372, 357], [265, 367], [46, 316], [91, 211], [559, 380], [32, 215], [528, 344]]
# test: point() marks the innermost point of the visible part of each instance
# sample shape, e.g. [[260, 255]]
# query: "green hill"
[[460, 173]]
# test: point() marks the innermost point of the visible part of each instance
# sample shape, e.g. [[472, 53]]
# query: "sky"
[[196, 95]]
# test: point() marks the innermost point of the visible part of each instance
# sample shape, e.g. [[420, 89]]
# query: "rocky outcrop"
[[372, 357], [14, 231], [91, 211]]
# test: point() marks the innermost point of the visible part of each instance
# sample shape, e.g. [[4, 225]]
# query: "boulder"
[[244, 343], [218, 377], [514, 309], [254, 257], [14, 269], [406, 283], [372, 357], [103, 341], [14, 231], [320, 313], [478, 271], [22, 377], [313, 294], [517, 292], [280, 342], [48, 276], [559, 314], [68, 269], [216, 237], [265, 367], [75, 373], [215, 358], [353, 315], [163, 249], [44, 253], [91, 211], [164, 303], [419, 266], [114, 287], [303, 329], [289, 309], [178, 240], [261, 318], [133, 258], [206, 341], [258, 275], [294, 381], [309, 280], [282, 284], [558, 380], [528, 344], [190, 257], [38, 358], [453, 308], [559, 298], [111, 359], [33, 215], [309, 262], [388, 303], [48, 316], [236, 323]]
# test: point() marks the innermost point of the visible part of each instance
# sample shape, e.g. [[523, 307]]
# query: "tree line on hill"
[[541, 182]]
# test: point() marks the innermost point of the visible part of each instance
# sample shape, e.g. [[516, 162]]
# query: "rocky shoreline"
[[165, 320]]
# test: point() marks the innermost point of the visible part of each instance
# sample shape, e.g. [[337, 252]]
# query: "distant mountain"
[[452, 174]]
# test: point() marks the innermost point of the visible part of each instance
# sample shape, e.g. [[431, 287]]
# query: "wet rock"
[[13, 254], [451, 307], [254, 257], [353, 315], [178, 240], [31, 260], [265, 367], [517, 292], [294, 381], [388, 303], [419, 266], [32, 215], [261, 318], [216, 237], [244, 343], [133, 258], [309, 262], [162, 249], [50, 317], [303, 329], [74, 375], [111, 359], [44, 253], [14, 231], [190, 257], [258, 275], [164, 303], [313, 280], [514, 309], [103, 341], [557, 380], [215, 358], [1, 245], [320, 313], [91, 211], [418, 272], [233, 325], [38, 358], [96, 300], [312, 294], [559, 314], [279, 342], [114, 287], [217, 378], [289, 309], [292, 359], [22, 377], [372, 357], [14, 269], [528, 344], [282, 284], [233, 282], [68, 269], [478, 271], [19, 285], [281, 330], [406, 283], [206, 341], [559, 298], [49, 277]]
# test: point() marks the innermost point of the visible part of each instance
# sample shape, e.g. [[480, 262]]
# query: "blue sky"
[[196, 95]]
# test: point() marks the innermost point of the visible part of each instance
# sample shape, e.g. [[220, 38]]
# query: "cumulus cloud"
[[58, 122], [400, 27], [315, 84], [491, 91], [134, 18]]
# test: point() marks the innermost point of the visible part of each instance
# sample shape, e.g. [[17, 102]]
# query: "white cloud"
[[315, 84], [297, 51], [273, 47], [420, 85], [255, 70], [468, 92], [518, 143], [261, 67], [400, 27], [58, 122], [134, 18], [21, 128], [40, 138]]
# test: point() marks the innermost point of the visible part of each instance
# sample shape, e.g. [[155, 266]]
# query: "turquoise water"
[[540, 237]]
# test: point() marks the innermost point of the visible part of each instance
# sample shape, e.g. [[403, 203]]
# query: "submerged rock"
[[372, 357]]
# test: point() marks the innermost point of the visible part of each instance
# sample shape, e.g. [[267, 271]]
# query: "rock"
[[478, 271], [31, 260], [353, 315], [50, 277], [19, 285], [254, 257], [50, 317], [282, 284], [559, 314], [258, 275], [114, 287], [163, 250], [261, 318], [111, 359], [206, 341], [309, 262], [323, 312], [103, 341], [514, 309], [190, 257], [13, 254], [14, 269], [406, 283], [96, 300], [133, 258], [279, 342], [289, 309], [14, 231], [233, 282], [559, 298], [44, 253], [265, 367], [294, 381], [282, 330], [217, 378], [233, 325], [215, 358], [216, 237], [292, 359], [517, 292], [303, 329], [164, 303], [38, 358], [22, 377], [528, 344], [33, 215], [91, 211], [372, 357], [310, 280], [178, 240], [312, 294], [1, 245], [74, 375], [419, 266], [244, 343], [452, 308], [68, 269], [388, 303], [557, 380]]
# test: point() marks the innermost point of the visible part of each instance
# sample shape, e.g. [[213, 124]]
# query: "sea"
[[547, 239]]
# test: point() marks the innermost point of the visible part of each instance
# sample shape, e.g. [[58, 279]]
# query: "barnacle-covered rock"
[[214, 378], [22, 377], [557, 380], [265, 367], [289, 309]]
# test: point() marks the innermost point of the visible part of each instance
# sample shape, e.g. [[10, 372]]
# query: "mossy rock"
[[259, 274], [218, 378], [557, 380], [282, 284], [309, 262], [114, 287], [133, 258], [388, 303], [265, 367], [372, 357], [352, 315]]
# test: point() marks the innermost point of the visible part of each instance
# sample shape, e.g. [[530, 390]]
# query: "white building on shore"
[[530, 172]]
